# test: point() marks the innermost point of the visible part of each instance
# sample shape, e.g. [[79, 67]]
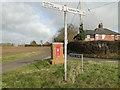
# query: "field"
[[0, 51], [14, 50], [14, 53], [41, 74]]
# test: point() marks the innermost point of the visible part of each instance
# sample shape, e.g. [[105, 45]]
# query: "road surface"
[[86, 59]]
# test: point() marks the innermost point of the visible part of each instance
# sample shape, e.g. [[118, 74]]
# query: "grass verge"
[[43, 75], [19, 56]]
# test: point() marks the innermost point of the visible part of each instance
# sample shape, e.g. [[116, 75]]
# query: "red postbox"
[[57, 53]]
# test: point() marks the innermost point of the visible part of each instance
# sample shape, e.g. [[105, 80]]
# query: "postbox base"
[[56, 62]]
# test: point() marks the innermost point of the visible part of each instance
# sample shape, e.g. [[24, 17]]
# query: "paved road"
[[85, 59], [22, 62]]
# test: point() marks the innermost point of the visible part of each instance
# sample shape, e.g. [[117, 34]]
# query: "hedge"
[[94, 47]]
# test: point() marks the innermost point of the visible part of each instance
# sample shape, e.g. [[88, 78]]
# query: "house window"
[[88, 36], [103, 36], [112, 36], [97, 36]]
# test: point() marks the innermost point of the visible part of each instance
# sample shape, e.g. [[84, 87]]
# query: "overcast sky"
[[23, 22]]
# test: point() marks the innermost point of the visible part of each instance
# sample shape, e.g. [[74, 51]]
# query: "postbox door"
[[57, 50]]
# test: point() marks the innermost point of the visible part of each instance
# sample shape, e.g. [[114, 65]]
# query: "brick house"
[[101, 33]]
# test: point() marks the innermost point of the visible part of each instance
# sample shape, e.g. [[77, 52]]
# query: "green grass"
[[19, 56], [43, 75]]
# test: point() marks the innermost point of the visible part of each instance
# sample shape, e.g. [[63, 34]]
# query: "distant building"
[[47, 43], [101, 33]]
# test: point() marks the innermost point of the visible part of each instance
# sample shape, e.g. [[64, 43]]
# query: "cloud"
[[20, 19], [108, 14], [23, 22]]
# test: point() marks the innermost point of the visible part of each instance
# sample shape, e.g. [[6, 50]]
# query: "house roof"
[[105, 31], [47, 43], [101, 31]]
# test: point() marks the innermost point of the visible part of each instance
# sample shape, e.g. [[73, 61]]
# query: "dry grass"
[[0, 51]]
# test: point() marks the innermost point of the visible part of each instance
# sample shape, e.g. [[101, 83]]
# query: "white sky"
[[23, 22]]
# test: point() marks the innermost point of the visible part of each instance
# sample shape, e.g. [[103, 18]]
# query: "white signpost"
[[65, 9], [62, 8]]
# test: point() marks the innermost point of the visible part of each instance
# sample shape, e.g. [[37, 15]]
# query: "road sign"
[[76, 11], [77, 56], [62, 8], [65, 9], [52, 5]]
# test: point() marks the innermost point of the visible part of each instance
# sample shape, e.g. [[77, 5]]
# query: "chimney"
[[100, 25]]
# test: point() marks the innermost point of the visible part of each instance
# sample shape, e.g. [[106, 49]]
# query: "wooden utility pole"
[[80, 14]]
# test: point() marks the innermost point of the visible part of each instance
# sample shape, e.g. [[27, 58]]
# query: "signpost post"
[[65, 9], [65, 41]]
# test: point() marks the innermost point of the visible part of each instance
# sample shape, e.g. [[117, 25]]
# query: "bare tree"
[[71, 32]]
